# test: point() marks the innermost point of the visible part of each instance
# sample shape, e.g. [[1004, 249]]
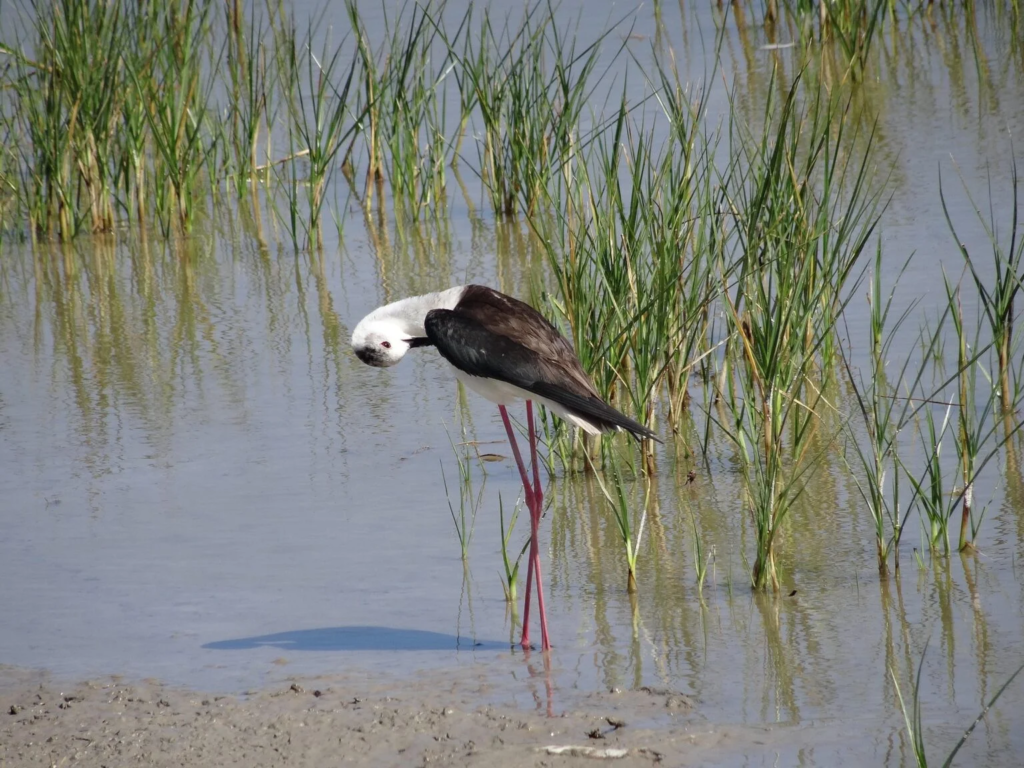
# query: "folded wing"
[[494, 336]]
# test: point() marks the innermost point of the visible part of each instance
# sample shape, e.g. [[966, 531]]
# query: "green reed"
[[956, 406], [981, 715], [884, 411], [495, 65], [850, 26], [322, 120], [374, 85], [997, 300], [788, 290], [619, 502], [977, 439], [417, 132], [807, 194], [701, 559], [465, 520], [250, 105], [115, 113], [914, 723], [634, 280], [912, 718], [685, 221], [969, 435], [92, 136], [65, 107], [660, 283], [770, 400], [852, 39], [112, 111], [463, 526], [406, 131], [853, 24], [174, 84], [510, 580], [932, 493], [529, 111]]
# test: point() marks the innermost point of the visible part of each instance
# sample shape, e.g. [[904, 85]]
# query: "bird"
[[505, 350]]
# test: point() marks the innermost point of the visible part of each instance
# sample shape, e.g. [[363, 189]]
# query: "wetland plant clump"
[[702, 268]]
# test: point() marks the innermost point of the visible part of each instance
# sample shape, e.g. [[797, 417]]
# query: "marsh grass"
[[249, 106], [958, 408], [623, 514], [64, 102], [505, 72], [91, 137], [912, 717], [997, 299], [112, 113], [932, 492], [682, 254], [529, 85], [701, 559], [322, 119], [407, 134], [850, 32], [884, 413], [970, 434], [510, 580], [979, 437], [464, 522], [913, 720], [526, 85], [374, 84], [469, 504], [898, 397], [175, 87], [804, 217], [853, 24], [634, 282]]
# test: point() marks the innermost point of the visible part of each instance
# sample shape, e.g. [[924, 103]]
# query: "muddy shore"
[[334, 721]]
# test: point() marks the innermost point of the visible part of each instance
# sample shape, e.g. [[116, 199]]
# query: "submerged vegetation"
[[703, 269]]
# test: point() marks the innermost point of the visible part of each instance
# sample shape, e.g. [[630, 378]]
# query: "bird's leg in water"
[[535, 513], [533, 504]]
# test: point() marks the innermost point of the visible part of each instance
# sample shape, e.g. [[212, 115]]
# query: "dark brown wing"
[[492, 335], [514, 319]]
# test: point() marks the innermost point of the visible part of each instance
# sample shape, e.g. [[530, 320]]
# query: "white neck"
[[409, 313]]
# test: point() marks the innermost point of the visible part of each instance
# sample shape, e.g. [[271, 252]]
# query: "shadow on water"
[[358, 639]]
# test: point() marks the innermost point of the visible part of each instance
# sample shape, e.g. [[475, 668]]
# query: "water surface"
[[202, 484]]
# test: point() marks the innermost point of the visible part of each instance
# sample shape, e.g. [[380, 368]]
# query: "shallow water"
[[202, 484]]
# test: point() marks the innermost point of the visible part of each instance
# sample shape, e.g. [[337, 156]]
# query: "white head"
[[381, 342], [384, 336]]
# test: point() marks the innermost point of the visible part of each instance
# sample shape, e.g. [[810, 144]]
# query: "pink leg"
[[535, 513], [534, 555]]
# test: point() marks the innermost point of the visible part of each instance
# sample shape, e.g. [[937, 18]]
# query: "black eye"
[[386, 344]]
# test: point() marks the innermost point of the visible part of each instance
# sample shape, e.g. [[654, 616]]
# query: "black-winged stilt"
[[504, 350]]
